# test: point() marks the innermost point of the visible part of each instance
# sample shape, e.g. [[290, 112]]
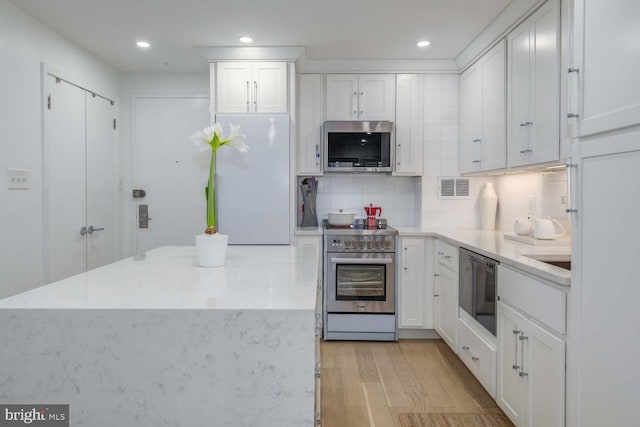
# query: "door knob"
[[83, 230], [91, 229]]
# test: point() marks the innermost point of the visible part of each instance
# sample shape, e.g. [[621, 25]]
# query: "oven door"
[[360, 283]]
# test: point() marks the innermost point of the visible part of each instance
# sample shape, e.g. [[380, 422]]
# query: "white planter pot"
[[211, 249]]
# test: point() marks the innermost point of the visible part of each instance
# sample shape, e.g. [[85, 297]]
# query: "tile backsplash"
[[398, 197]]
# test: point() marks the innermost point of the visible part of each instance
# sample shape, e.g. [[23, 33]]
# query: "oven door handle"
[[362, 260]]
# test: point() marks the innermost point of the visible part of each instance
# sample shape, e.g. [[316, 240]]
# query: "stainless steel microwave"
[[358, 146]]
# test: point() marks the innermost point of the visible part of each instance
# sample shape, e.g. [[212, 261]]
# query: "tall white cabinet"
[[603, 379], [310, 120], [533, 88], [409, 124], [415, 289], [361, 97], [483, 113], [445, 292]]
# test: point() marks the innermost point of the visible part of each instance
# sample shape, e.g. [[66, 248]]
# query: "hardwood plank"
[[357, 416], [333, 410], [366, 364], [379, 413], [391, 385], [329, 352], [351, 381]]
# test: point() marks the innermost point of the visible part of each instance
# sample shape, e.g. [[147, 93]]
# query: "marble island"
[[161, 342]]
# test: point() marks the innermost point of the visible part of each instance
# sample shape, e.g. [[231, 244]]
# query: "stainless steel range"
[[359, 284]]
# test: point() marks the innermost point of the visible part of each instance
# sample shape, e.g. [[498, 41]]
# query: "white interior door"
[[65, 184], [101, 181], [170, 169]]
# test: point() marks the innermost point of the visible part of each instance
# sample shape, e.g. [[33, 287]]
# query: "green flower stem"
[[211, 192]]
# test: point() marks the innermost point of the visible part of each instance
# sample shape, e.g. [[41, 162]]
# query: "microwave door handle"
[[361, 260]]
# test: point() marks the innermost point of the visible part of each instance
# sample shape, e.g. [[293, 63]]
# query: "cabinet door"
[[511, 385], [544, 374], [376, 97], [412, 283], [269, 87], [544, 133], [342, 97], [448, 300], [470, 118], [494, 109], [234, 87], [519, 68], [310, 118], [606, 49], [409, 129]]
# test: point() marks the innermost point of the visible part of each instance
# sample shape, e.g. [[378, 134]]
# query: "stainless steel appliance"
[[359, 283], [358, 146], [478, 288]]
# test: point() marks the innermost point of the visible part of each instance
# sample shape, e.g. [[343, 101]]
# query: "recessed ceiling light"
[[423, 43], [142, 44], [245, 39]]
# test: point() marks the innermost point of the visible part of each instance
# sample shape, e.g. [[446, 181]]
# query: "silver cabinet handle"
[[405, 269], [436, 295], [476, 140], [355, 93], [473, 358], [317, 154], [255, 96], [447, 257], [83, 230], [440, 253], [361, 93], [248, 96], [91, 229], [515, 365], [522, 339], [361, 112], [476, 150], [436, 275]]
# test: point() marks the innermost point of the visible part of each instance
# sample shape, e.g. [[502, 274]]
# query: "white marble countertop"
[[493, 244], [254, 278]]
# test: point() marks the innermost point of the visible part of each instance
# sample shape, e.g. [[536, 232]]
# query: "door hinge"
[[49, 102], [114, 124]]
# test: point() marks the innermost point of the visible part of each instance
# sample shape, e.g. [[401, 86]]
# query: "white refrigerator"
[[253, 188]]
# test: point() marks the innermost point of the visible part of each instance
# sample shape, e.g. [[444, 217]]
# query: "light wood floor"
[[412, 383]]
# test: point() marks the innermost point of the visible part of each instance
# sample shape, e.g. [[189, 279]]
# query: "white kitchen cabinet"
[[483, 113], [478, 353], [605, 92], [409, 124], [533, 89], [251, 87], [360, 97], [415, 288], [310, 119], [445, 293], [531, 371]]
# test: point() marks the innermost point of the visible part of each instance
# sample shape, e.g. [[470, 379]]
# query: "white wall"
[[24, 44], [547, 190], [147, 84]]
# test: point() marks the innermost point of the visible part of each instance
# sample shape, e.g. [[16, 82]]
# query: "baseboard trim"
[[412, 334]]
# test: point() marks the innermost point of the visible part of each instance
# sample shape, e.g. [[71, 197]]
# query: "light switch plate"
[[17, 179]]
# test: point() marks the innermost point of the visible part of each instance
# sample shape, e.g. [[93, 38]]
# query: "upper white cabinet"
[[606, 55], [415, 309], [483, 113], [533, 94], [409, 124], [310, 119], [251, 87], [361, 97]]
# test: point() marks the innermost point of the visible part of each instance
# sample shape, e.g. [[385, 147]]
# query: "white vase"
[[211, 249], [488, 207]]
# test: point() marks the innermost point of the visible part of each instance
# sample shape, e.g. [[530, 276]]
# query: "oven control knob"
[[378, 245], [347, 243], [362, 243], [387, 244], [369, 244]]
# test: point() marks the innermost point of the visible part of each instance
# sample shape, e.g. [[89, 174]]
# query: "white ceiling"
[[328, 29]]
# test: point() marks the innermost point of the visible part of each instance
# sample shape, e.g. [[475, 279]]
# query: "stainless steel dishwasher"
[[478, 288]]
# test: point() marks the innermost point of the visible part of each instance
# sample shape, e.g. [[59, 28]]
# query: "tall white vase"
[[211, 249], [488, 207]]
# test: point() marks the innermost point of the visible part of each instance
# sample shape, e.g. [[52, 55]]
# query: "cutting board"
[[529, 240]]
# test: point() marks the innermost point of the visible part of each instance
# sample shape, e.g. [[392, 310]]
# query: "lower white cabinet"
[[531, 371], [415, 287], [478, 354], [445, 301]]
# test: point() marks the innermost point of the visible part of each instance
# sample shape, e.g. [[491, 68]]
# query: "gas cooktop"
[[357, 229]]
